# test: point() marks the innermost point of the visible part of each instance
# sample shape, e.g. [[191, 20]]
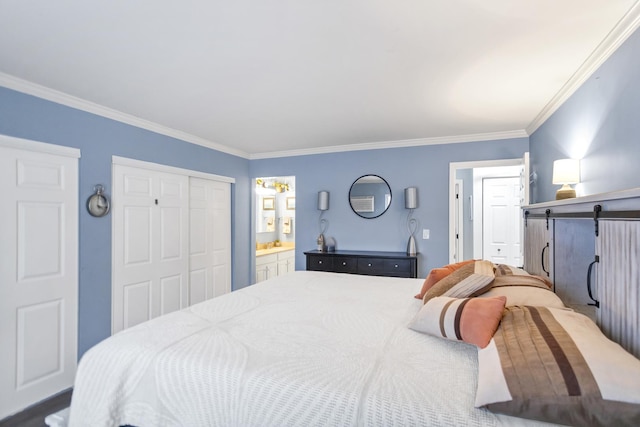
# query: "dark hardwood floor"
[[35, 415]]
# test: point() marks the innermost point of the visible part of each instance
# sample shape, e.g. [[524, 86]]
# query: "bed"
[[307, 349]]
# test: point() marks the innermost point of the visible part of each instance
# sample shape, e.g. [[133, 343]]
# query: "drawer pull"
[[396, 266], [319, 262], [369, 264], [344, 263]]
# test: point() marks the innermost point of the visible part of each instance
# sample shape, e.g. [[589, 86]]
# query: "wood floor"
[[34, 416]]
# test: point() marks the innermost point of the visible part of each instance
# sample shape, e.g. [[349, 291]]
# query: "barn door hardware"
[[547, 213], [595, 302], [596, 213]]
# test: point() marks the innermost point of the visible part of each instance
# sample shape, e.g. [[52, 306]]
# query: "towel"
[[286, 225], [271, 226]]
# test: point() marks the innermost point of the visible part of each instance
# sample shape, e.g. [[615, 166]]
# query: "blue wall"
[[600, 124], [425, 167], [98, 138]]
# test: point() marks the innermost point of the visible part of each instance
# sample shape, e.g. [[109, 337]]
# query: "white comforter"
[[306, 349]]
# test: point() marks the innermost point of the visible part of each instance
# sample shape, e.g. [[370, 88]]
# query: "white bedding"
[[306, 349]]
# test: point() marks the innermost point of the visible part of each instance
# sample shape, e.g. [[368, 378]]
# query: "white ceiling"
[[278, 77]]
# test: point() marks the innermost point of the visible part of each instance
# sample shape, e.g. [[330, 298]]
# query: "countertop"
[[274, 250]]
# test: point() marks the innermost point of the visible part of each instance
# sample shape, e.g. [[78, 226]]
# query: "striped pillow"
[[555, 365], [469, 280], [472, 320]]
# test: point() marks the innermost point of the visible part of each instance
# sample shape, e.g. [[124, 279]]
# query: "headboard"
[[590, 249]]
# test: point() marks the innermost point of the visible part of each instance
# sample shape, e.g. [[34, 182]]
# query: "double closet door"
[[171, 242]]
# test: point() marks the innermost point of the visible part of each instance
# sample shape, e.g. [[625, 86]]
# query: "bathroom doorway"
[[275, 214]]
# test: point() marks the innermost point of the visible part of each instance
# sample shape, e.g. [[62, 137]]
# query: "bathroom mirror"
[[370, 196]]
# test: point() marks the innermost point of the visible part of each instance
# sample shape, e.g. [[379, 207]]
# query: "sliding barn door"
[[38, 273], [209, 239], [618, 282], [537, 248], [151, 244]]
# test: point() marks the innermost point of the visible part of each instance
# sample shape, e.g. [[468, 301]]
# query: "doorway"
[[274, 225], [490, 221]]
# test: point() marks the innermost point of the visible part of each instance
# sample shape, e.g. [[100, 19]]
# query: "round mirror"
[[370, 196]]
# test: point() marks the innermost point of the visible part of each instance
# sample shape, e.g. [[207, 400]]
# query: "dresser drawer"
[[345, 265], [319, 263], [371, 266], [397, 267]]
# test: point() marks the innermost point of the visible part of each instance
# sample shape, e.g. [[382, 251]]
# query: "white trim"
[[62, 98], [477, 137], [618, 35], [125, 161], [453, 167], [41, 147]]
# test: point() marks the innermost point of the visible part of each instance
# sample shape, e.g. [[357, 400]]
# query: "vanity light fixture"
[[411, 203], [566, 172], [323, 205]]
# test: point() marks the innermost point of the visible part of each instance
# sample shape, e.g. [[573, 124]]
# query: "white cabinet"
[[274, 264], [266, 267], [286, 262]]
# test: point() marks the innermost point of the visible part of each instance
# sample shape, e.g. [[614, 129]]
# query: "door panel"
[[150, 230], [210, 234], [501, 220], [38, 274]]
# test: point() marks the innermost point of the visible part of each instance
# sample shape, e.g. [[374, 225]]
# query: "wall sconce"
[[411, 203], [323, 205], [566, 172]]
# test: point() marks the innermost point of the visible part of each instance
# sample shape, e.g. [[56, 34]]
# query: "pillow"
[[439, 273], [469, 280], [508, 271], [472, 320], [525, 295], [556, 366]]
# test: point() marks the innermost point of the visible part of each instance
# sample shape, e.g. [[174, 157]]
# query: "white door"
[[209, 239], [150, 245], [501, 220], [38, 274]]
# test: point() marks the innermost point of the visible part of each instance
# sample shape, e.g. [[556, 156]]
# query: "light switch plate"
[[425, 234]]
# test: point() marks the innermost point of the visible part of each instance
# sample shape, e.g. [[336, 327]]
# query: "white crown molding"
[[62, 98], [394, 144], [621, 32], [58, 97]]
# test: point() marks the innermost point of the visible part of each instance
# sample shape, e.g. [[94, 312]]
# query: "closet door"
[[209, 239], [151, 238], [617, 284], [38, 274]]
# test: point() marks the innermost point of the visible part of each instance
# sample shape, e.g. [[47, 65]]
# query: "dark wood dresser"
[[393, 264]]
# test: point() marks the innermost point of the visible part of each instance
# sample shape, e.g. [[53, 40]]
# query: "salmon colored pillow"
[[472, 320], [439, 273]]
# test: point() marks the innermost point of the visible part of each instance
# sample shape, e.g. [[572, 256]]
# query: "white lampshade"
[[566, 171], [323, 200]]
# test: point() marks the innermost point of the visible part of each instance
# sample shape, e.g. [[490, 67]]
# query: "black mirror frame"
[[385, 209]]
